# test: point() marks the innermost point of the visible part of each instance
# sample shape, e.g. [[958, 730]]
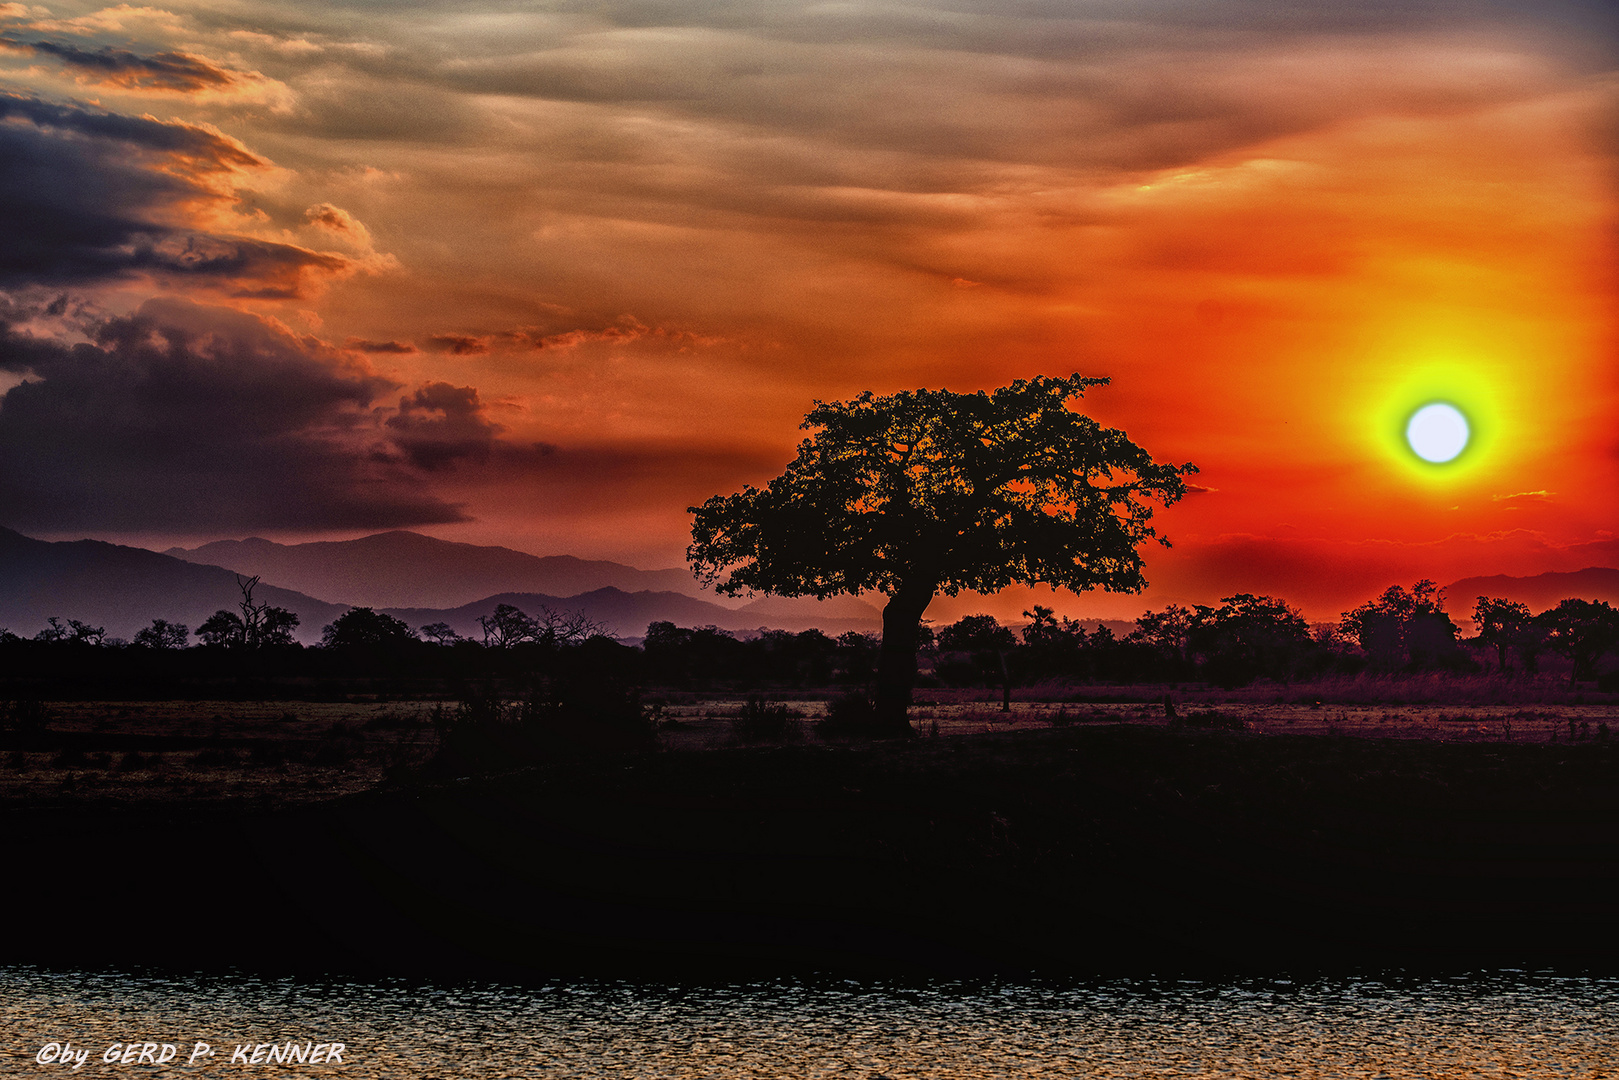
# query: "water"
[[1501, 1024]]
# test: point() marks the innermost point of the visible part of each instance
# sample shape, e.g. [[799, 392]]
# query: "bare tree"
[[258, 625], [509, 626]]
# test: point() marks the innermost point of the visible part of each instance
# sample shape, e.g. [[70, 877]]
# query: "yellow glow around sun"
[[1470, 389]]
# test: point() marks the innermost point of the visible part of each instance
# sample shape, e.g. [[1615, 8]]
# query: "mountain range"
[[412, 577], [408, 570], [1539, 592], [122, 589], [422, 580]]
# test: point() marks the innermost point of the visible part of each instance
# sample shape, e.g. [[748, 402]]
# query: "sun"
[[1435, 418], [1438, 432]]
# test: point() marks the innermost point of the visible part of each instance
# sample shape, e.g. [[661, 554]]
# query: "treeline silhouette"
[[1245, 638]]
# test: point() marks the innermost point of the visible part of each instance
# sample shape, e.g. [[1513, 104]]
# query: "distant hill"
[[408, 570], [782, 610], [124, 588], [1540, 592], [627, 614]]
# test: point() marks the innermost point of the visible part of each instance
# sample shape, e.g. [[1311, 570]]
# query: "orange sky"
[[546, 275]]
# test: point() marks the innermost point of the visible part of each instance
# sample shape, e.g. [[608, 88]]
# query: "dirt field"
[[275, 753], [269, 752]]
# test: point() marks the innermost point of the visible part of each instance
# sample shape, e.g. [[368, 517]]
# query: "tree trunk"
[[896, 663]]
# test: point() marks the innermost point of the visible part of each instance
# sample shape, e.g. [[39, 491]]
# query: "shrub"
[[1207, 719], [24, 714], [393, 721], [486, 733], [269, 755], [849, 715], [764, 721], [332, 755]]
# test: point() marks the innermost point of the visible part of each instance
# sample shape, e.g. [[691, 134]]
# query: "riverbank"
[[1091, 849]]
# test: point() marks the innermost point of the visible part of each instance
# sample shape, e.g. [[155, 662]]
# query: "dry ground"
[[271, 752], [296, 752], [706, 723]]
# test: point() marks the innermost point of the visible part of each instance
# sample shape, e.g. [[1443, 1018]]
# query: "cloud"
[[193, 417], [334, 219], [1523, 498], [177, 72], [441, 424], [458, 344], [539, 339], [89, 196], [398, 348]]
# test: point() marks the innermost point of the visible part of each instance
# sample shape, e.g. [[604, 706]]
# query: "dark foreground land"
[[1104, 849]]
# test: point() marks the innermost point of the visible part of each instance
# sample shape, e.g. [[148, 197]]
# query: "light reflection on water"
[[1502, 1024]]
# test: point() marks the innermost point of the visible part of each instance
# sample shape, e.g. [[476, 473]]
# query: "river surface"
[[1495, 1024]]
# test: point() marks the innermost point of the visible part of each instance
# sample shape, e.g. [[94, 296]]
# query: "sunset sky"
[[546, 274]]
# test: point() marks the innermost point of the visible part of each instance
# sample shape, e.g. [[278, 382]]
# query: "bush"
[[486, 733], [764, 721], [23, 715], [1208, 719], [849, 715], [70, 758]]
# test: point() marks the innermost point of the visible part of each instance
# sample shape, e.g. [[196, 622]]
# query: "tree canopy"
[[957, 491], [363, 628], [1402, 627], [930, 491], [259, 626], [1581, 630]]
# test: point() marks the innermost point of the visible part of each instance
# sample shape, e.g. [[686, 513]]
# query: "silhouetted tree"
[[86, 634], [506, 626], [1581, 630], [1400, 628], [53, 631], [509, 626], [931, 491], [1165, 631], [1052, 646], [1504, 624], [363, 628], [75, 631], [439, 633], [857, 656], [221, 628], [1245, 637], [988, 642], [259, 625], [163, 634]]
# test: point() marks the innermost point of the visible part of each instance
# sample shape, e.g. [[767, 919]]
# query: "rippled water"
[[1502, 1024]]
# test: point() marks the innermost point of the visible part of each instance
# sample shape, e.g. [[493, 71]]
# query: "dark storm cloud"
[[175, 71], [183, 416], [458, 344], [441, 424], [397, 348], [90, 196]]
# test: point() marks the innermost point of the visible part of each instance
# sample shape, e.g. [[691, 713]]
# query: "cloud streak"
[[90, 196], [178, 72]]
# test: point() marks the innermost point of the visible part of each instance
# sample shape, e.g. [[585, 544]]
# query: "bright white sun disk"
[[1437, 432]]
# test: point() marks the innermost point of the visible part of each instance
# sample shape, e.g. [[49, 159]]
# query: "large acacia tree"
[[930, 491]]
